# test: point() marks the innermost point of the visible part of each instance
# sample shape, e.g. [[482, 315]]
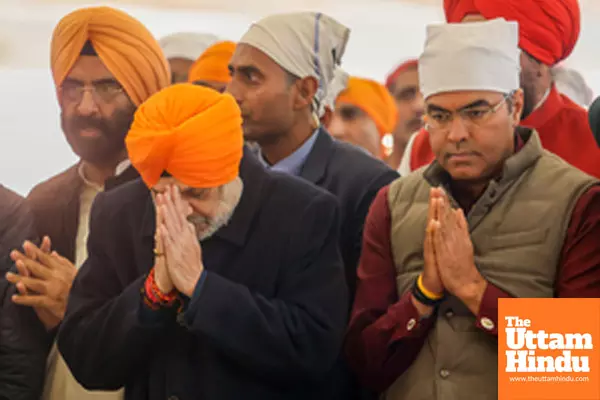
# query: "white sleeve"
[[404, 168]]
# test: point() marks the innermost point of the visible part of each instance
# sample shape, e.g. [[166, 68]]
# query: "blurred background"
[[384, 33]]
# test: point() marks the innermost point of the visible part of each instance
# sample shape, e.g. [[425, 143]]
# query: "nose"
[[87, 106], [234, 90], [336, 128], [418, 104], [458, 131]]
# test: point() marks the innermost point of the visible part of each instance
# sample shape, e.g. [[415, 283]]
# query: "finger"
[[33, 284], [170, 223], [16, 255], [181, 206], [37, 269], [46, 245], [461, 220], [432, 212], [21, 268], [170, 213], [34, 300], [22, 289]]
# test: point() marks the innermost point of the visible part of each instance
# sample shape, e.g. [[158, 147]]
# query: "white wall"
[[32, 147]]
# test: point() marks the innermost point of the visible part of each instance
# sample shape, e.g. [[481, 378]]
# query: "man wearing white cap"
[[281, 74], [424, 324], [182, 49]]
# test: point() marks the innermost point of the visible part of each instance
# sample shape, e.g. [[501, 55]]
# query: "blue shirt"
[[293, 163]]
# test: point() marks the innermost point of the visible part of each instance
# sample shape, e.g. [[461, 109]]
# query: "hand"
[[182, 247], [43, 282], [161, 273], [431, 278], [454, 255]]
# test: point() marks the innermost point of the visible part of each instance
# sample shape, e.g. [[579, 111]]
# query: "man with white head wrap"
[[424, 323], [338, 84], [572, 84], [281, 71], [182, 49]]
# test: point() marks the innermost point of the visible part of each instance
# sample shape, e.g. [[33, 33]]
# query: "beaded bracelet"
[[154, 298]]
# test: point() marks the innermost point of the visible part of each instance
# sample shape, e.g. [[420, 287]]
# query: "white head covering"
[[337, 85], [473, 56], [572, 84], [188, 45], [304, 44]]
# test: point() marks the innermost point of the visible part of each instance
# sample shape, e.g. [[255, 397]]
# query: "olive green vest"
[[518, 228]]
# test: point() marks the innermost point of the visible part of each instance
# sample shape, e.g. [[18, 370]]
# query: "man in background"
[[403, 85], [182, 49], [365, 113], [211, 69], [104, 64], [548, 34]]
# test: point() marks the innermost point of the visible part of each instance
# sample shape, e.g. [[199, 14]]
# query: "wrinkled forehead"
[[90, 68]]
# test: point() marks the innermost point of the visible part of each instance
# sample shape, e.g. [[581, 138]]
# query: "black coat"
[[23, 341], [355, 178], [270, 319]]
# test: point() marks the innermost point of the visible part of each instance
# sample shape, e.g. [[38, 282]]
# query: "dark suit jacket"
[[55, 206], [23, 348], [354, 177], [271, 314]]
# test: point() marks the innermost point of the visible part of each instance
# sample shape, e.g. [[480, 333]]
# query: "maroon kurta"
[[379, 346]]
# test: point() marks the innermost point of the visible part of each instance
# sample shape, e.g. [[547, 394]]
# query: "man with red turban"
[[218, 280], [364, 113], [211, 69], [403, 85], [548, 32], [105, 64]]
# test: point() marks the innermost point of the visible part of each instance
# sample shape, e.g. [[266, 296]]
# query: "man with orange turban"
[[403, 84], [104, 64], [548, 32], [212, 68], [364, 113], [234, 304]]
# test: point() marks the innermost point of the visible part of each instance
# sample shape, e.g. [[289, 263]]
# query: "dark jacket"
[[55, 207], [269, 319], [23, 349], [354, 177]]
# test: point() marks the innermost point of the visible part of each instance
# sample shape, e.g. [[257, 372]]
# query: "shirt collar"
[[121, 167], [293, 163]]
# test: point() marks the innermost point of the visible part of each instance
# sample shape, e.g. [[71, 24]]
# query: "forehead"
[[408, 78], [457, 100], [249, 56], [89, 68]]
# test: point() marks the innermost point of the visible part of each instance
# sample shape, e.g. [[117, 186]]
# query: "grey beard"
[[213, 225]]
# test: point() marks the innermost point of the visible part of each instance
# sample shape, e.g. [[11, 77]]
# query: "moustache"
[[81, 123]]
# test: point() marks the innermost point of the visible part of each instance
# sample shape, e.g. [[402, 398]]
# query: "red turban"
[[192, 132], [548, 29], [391, 78]]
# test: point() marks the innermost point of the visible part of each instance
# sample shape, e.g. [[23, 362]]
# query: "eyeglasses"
[[475, 116], [102, 92]]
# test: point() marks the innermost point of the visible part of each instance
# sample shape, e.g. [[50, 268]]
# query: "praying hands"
[[178, 253], [43, 281], [448, 250]]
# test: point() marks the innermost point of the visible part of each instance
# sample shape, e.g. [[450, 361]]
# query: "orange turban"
[[548, 29], [374, 99], [192, 132], [124, 45], [213, 64]]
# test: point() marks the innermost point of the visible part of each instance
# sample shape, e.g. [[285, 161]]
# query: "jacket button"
[[444, 373], [449, 314]]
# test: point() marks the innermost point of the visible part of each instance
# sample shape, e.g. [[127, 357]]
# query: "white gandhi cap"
[[474, 56]]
